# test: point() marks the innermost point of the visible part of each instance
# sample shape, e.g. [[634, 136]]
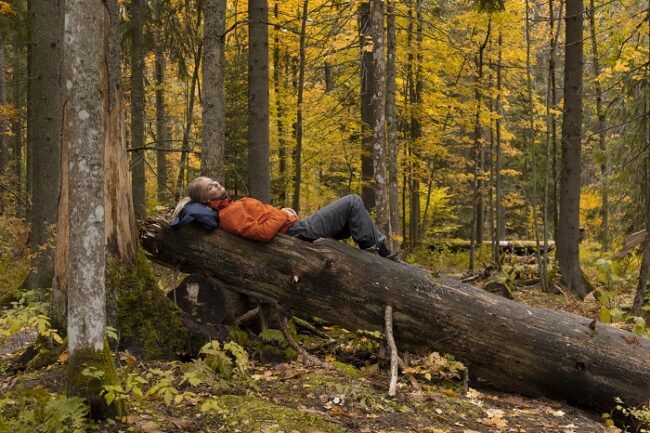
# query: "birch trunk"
[[391, 127], [379, 115], [83, 137]]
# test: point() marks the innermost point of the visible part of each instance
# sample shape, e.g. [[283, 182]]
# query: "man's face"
[[214, 190]]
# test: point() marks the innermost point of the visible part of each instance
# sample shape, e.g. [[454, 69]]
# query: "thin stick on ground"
[[392, 388], [306, 357], [247, 316]]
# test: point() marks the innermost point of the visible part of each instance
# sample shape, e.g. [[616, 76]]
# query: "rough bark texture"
[[44, 132], [214, 93], [137, 16], [511, 345], [297, 154], [281, 179], [163, 135], [259, 169], [367, 90], [379, 115], [85, 77], [391, 125], [568, 230]]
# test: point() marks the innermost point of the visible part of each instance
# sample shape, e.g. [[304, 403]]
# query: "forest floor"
[[347, 393]]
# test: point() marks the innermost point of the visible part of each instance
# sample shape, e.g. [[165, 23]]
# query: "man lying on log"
[[250, 218]]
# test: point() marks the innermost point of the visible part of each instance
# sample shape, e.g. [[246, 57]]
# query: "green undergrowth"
[[253, 414], [37, 410], [14, 258], [147, 321]]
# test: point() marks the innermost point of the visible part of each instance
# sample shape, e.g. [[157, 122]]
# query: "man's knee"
[[354, 199]]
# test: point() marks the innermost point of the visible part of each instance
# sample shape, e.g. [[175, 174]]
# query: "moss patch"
[[251, 414], [88, 372], [148, 322], [348, 369]]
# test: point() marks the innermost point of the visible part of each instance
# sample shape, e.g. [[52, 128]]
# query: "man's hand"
[[290, 212]]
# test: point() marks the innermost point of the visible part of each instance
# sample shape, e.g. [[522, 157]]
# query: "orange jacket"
[[251, 218]]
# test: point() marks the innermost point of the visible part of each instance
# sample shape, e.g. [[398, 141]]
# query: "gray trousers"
[[341, 219]]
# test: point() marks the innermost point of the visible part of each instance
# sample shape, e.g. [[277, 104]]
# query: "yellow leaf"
[[63, 358], [57, 337]]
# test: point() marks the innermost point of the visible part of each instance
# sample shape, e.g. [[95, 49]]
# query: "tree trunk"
[[4, 124], [16, 127], [189, 115], [416, 129], [568, 231], [297, 154], [379, 115], [391, 126], [367, 90], [163, 136], [500, 230], [541, 263], [601, 128], [280, 111], [44, 132], [214, 96], [259, 169], [83, 135], [555, 197], [639, 296], [477, 216], [137, 16], [514, 346]]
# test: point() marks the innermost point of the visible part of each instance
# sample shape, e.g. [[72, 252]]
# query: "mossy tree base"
[[149, 324], [88, 372]]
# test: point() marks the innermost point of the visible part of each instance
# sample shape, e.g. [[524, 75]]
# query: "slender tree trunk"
[[297, 154], [568, 239], [4, 124], [16, 127], [500, 231], [44, 132], [391, 126], [477, 215], [642, 286], [541, 264], [416, 129], [601, 127], [189, 115], [259, 169], [83, 135], [280, 110], [137, 14], [163, 135], [214, 96], [555, 196], [379, 115], [367, 90]]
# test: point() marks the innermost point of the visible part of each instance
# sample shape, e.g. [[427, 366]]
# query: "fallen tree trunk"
[[510, 345]]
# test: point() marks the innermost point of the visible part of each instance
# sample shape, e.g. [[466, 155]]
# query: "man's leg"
[[341, 219]]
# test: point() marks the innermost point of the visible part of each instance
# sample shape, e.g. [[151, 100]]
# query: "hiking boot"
[[372, 250], [394, 257]]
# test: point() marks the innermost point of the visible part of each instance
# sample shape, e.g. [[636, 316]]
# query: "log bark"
[[503, 343]]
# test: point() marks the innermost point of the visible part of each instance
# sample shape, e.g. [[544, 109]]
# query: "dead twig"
[[392, 388], [306, 357]]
